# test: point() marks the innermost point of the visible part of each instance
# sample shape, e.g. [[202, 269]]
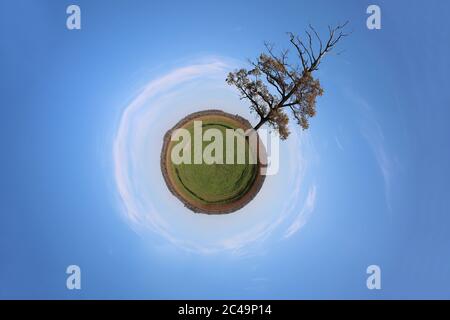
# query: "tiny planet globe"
[[210, 164]]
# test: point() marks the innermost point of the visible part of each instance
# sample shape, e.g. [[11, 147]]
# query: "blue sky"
[[374, 184]]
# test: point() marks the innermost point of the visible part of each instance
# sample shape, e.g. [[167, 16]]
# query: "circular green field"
[[217, 187]]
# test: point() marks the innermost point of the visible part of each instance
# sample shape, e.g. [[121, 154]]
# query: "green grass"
[[214, 183]]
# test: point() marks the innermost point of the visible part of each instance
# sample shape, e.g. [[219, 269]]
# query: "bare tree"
[[274, 85]]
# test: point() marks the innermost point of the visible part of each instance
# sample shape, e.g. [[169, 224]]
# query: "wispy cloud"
[[372, 131], [304, 214], [375, 138], [338, 143]]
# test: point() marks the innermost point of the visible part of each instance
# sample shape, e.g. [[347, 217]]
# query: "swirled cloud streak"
[[284, 201]]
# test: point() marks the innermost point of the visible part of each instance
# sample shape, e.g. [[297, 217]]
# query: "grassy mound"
[[212, 188], [214, 183]]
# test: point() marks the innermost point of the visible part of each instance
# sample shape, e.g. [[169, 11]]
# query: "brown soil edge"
[[212, 208]]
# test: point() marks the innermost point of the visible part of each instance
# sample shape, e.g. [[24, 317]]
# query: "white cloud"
[[372, 131], [338, 143], [304, 214]]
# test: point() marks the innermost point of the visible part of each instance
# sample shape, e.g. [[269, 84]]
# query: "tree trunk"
[[261, 122]]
